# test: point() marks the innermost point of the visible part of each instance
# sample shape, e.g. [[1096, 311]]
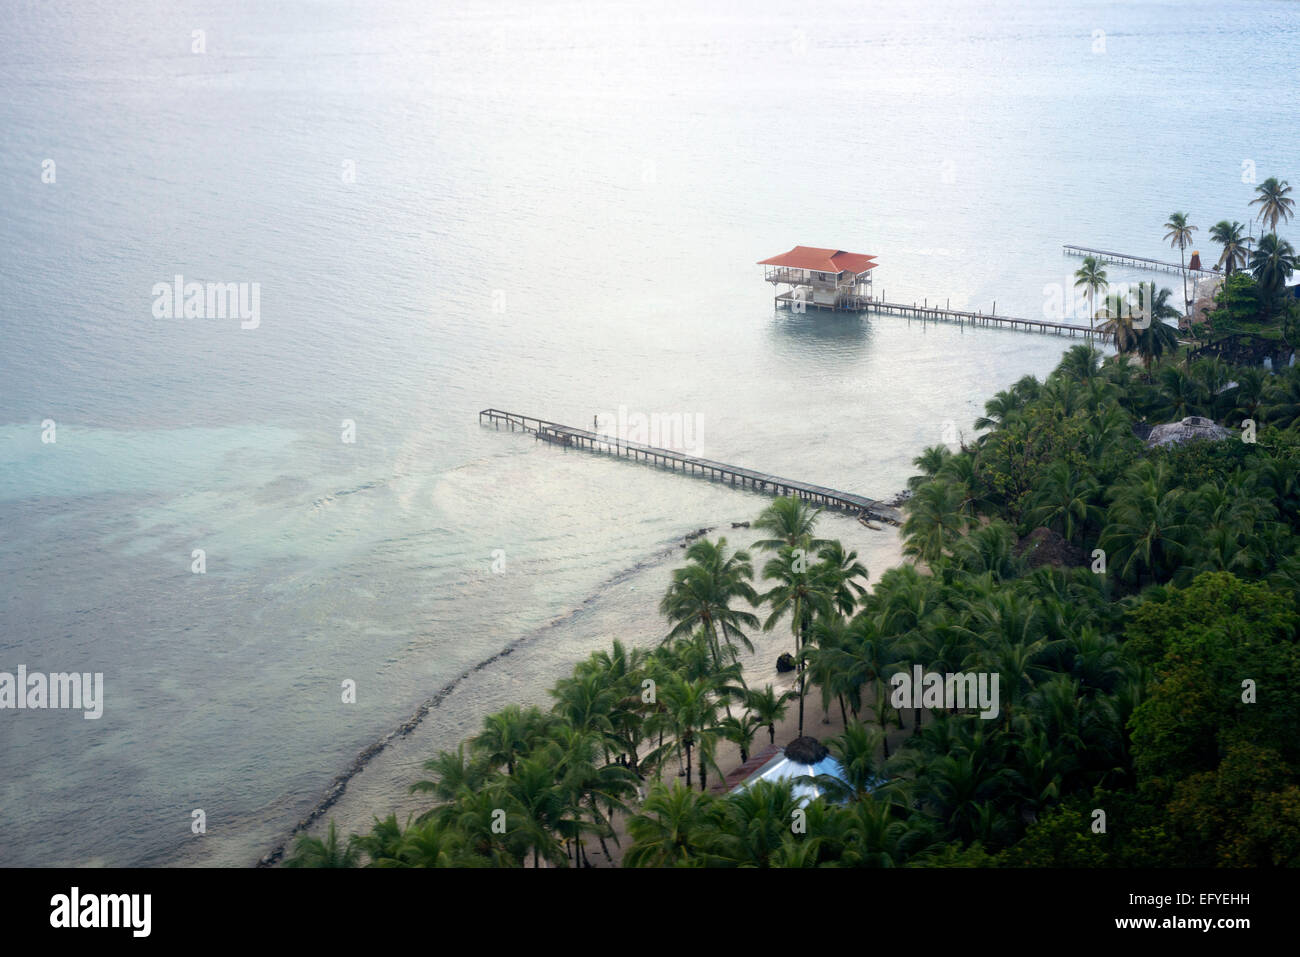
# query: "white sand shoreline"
[[378, 783]]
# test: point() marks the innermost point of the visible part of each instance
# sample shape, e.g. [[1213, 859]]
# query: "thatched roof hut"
[[802, 759], [1189, 429], [806, 750], [1044, 546]]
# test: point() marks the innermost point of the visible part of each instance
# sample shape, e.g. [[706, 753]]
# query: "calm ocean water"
[[548, 208]]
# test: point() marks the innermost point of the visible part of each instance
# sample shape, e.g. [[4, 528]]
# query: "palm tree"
[[1080, 363], [586, 702], [692, 710], [740, 731], [431, 844], [802, 591], [936, 517], [1092, 277], [997, 412], [675, 826], [595, 785], [313, 852], [1229, 236], [1282, 405], [1250, 395], [510, 733], [540, 807], [930, 461], [456, 772], [702, 593], [843, 571], [1272, 264], [1148, 525], [1151, 337], [879, 837], [790, 521], [1180, 236], [855, 749], [383, 845], [1274, 202], [476, 815], [754, 823], [1180, 395], [768, 708], [1065, 498]]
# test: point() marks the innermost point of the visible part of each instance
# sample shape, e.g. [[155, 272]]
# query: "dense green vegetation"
[[1150, 678], [1253, 317]]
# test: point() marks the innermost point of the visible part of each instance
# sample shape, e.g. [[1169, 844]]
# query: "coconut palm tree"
[[596, 786], [311, 851], [740, 731], [936, 517], [1092, 278], [1282, 400], [586, 702], [675, 826], [1081, 363], [428, 844], [790, 522], [1272, 263], [1066, 498], [997, 412], [930, 461], [1180, 237], [510, 733], [1139, 325], [1274, 201], [845, 575], [1229, 236], [1147, 526], [541, 808], [692, 710], [477, 816], [768, 708], [855, 749], [456, 772], [754, 823], [802, 591], [1180, 395], [878, 835], [1249, 397], [702, 594]]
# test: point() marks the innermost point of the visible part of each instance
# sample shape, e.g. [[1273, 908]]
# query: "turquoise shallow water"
[[553, 209]]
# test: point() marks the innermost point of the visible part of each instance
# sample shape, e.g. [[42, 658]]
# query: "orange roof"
[[822, 260]]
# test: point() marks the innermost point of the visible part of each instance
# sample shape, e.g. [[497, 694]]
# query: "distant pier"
[[1138, 262], [928, 313], [570, 437]]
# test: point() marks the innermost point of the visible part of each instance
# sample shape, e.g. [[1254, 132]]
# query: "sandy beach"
[[627, 610]]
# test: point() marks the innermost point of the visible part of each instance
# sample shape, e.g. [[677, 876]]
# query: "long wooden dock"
[[570, 437], [928, 313], [1138, 262]]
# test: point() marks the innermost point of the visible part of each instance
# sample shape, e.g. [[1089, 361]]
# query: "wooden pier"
[[570, 437], [927, 313], [1138, 262]]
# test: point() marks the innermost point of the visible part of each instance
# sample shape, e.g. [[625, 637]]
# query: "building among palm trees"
[[800, 765], [823, 278]]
